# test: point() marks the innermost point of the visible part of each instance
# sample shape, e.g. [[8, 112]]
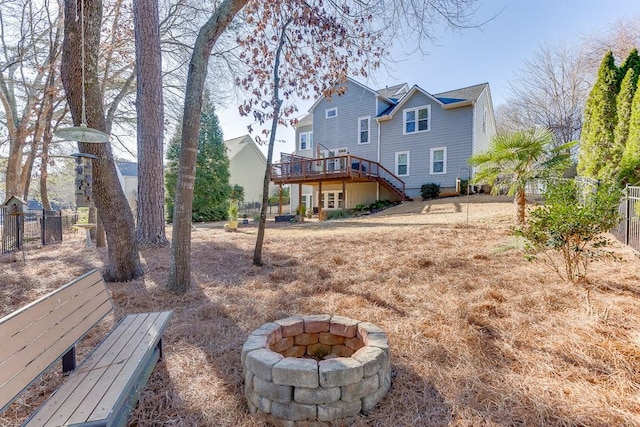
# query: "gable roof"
[[128, 168], [305, 121], [236, 145], [394, 92], [470, 93]]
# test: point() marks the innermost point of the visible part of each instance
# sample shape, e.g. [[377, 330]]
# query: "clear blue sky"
[[491, 54]]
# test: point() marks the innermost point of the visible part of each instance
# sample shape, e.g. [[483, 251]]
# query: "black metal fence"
[[33, 229], [628, 231]]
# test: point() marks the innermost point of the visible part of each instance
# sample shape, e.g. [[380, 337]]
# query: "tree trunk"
[[124, 260], [149, 107], [180, 270], [277, 103], [521, 203]]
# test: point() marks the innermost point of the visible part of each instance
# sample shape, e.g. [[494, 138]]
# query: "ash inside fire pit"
[[315, 368]]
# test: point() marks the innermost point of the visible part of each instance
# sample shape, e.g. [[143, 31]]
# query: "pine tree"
[[632, 62], [630, 162], [624, 100], [211, 190], [599, 121]]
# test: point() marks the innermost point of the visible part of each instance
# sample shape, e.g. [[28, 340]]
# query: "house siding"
[[247, 169], [342, 131], [449, 128], [483, 137], [310, 152]]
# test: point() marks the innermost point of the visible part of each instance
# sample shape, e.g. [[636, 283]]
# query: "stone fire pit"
[[315, 368]]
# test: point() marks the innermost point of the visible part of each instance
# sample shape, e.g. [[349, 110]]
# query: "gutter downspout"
[[378, 182]]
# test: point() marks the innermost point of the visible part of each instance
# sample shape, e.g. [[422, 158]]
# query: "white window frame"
[[360, 130], [416, 111], [305, 136], [328, 111], [444, 160], [308, 136], [398, 154]]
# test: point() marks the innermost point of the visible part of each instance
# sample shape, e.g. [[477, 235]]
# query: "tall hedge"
[[596, 140]]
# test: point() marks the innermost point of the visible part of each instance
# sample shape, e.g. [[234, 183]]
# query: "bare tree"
[[149, 105], [124, 260], [549, 90], [333, 44], [28, 58], [620, 38]]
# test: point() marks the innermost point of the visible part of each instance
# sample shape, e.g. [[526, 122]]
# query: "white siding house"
[[247, 165]]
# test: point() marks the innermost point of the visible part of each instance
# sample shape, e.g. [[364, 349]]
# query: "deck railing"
[[298, 169]]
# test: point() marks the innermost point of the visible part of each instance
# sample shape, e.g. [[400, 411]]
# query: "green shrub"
[[340, 213], [430, 190], [572, 222]]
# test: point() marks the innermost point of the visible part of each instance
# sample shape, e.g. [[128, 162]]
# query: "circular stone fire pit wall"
[[321, 367]]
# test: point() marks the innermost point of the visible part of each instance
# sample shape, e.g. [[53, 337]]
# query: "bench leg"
[[69, 360], [160, 354]]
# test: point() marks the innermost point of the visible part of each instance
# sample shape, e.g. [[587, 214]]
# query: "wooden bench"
[[104, 389]]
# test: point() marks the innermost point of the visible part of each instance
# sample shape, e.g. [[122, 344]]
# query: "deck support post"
[[320, 201], [299, 211]]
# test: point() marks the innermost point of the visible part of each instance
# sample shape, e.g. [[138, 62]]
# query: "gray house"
[[368, 145]]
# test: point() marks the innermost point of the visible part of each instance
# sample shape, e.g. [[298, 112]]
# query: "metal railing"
[[628, 231], [33, 229]]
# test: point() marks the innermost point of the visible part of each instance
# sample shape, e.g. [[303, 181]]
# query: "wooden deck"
[[305, 170]]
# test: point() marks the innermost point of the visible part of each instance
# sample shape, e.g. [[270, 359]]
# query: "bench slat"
[[96, 363], [11, 324], [24, 359], [106, 384], [35, 335], [131, 376]]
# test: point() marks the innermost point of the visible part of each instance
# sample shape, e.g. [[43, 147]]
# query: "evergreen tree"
[[631, 63], [621, 133], [630, 162], [211, 190], [599, 121]]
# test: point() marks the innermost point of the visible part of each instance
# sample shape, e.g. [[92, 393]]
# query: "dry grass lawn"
[[478, 335]]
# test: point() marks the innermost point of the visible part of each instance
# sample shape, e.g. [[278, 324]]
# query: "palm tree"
[[517, 158]]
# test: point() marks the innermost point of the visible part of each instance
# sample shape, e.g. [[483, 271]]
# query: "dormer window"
[[331, 113], [417, 119]]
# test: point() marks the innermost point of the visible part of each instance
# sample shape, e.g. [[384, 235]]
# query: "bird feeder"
[[84, 179]]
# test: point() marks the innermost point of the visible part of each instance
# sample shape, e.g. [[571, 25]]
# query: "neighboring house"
[[128, 177], [247, 165], [385, 144]]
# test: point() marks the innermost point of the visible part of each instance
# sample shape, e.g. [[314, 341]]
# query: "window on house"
[[438, 160], [417, 119], [363, 130], [306, 140], [303, 141], [402, 163], [330, 113]]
